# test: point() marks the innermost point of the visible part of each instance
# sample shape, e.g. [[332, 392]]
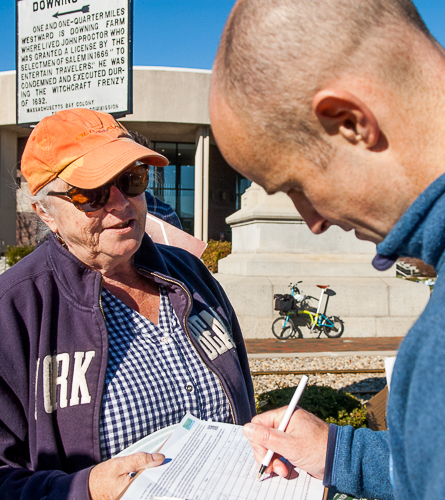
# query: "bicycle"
[[293, 306]]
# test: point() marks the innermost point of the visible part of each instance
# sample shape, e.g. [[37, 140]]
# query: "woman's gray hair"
[[42, 199]]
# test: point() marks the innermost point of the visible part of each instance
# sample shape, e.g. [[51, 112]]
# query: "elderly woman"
[[105, 336]]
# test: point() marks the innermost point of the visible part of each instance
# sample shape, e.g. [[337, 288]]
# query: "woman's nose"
[[117, 201]]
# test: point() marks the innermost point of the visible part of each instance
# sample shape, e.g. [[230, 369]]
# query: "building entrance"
[[175, 184]]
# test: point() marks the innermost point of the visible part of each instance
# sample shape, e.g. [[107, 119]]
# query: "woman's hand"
[[109, 478]]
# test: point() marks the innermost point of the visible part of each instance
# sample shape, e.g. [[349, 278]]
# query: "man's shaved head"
[[275, 55]]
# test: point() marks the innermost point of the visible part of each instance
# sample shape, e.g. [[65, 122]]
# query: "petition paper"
[[214, 461]]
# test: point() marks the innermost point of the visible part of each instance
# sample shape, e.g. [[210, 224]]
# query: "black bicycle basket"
[[284, 302]]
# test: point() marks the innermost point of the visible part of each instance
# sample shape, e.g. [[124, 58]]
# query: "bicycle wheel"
[[283, 327], [333, 327]]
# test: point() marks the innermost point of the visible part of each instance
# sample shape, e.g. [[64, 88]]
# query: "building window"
[[175, 184], [242, 183]]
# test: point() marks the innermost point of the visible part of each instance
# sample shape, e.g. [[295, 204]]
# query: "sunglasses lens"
[[90, 200], [133, 181]]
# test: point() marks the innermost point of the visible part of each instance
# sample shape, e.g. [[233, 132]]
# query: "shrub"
[[215, 251], [15, 253], [332, 406]]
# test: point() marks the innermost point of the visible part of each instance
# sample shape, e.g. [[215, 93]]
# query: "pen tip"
[[261, 472]]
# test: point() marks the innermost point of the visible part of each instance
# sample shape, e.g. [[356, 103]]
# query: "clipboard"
[[325, 495], [211, 458], [122, 493], [172, 428]]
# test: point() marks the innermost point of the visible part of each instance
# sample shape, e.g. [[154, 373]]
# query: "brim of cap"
[[99, 166]]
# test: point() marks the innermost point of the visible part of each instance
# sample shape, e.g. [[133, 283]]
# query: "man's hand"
[[304, 443], [109, 478]]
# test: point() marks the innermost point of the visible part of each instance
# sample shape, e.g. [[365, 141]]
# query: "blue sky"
[[184, 33]]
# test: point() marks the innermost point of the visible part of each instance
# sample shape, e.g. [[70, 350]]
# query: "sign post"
[[73, 54]]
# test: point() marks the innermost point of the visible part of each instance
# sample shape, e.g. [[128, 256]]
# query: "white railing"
[[405, 270], [3, 265]]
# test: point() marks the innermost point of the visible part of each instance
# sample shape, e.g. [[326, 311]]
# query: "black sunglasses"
[[131, 182]]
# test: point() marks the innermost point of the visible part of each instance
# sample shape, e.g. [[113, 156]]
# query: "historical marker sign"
[[71, 54]]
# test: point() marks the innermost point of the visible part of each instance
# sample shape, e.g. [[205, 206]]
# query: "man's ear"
[[45, 216], [341, 112]]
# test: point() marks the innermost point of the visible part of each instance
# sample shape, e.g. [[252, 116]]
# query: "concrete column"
[[205, 190], [202, 183], [198, 185], [8, 166]]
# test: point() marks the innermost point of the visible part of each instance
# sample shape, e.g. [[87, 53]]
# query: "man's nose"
[[316, 223]]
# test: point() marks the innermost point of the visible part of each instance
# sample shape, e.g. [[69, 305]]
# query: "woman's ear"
[[45, 216], [341, 112]]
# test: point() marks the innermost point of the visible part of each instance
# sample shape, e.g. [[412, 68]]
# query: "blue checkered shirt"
[[154, 377]]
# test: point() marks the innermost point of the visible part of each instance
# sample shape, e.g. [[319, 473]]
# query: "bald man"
[[340, 104]]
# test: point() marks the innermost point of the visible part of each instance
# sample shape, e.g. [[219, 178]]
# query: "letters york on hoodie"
[[64, 377]]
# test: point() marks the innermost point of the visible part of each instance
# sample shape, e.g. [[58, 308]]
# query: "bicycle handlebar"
[[294, 286]]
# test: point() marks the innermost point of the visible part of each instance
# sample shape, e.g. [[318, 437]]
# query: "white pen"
[[282, 427]]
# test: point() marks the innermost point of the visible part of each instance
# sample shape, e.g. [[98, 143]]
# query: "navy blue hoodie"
[[53, 360]]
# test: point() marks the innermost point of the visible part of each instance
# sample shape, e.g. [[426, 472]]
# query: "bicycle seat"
[[323, 286]]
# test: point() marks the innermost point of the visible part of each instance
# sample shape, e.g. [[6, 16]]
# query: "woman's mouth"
[[121, 225]]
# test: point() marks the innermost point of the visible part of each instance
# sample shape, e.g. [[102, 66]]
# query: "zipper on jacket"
[[189, 337], [103, 386], [100, 299]]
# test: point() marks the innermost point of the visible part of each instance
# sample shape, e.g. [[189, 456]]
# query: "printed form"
[[214, 461]]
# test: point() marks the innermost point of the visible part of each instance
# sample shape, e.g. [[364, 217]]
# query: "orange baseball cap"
[[85, 148]]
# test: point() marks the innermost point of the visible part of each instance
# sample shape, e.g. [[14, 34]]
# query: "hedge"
[[215, 251], [332, 406], [15, 253]]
